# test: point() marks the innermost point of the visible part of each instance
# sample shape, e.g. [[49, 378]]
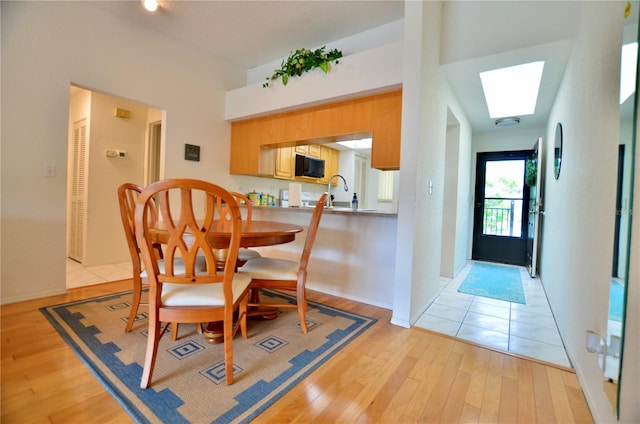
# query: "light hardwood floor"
[[387, 375]]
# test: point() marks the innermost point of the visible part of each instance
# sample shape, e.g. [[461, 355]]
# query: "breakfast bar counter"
[[338, 210], [353, 256]]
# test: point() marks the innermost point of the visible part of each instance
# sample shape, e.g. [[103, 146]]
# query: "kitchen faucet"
[[329, 201]]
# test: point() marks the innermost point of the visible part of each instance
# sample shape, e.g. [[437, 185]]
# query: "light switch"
[[50, 170]]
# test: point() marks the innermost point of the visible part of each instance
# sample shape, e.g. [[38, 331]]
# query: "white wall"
[[458, 199], [345, 80], [384, 34], [576, 250], [422, 160], [46, 46]]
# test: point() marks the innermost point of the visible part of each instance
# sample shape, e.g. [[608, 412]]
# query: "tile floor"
[[78, 275], [527, 330]]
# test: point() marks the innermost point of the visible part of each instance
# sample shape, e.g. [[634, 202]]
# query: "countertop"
[[334, 211]]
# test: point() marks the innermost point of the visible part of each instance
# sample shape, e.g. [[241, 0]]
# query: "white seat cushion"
[[202, 294], [270, 269], [246, 254]]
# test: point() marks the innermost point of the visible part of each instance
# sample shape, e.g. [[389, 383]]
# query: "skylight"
[[628, 71], [364, 143], [512, 91]]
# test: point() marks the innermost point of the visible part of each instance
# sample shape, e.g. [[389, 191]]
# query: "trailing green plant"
[[304, 60], [531, 172]]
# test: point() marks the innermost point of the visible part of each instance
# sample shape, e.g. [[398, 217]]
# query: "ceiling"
[[251, 33], [476, 36]]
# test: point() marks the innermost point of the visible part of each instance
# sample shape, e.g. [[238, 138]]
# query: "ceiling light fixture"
[[507, 122], [150, 5]]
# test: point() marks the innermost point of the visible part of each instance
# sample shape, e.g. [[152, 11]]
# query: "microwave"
[[307, 166]]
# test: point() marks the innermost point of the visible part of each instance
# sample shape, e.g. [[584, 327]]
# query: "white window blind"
[[385, 186]]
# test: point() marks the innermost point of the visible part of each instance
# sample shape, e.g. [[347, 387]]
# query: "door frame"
[[510, 250]]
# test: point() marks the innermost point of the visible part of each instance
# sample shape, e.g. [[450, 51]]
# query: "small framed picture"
[[192, 152]]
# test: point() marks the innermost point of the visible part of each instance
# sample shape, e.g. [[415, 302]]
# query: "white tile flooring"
[[78, 275], [527, 330]]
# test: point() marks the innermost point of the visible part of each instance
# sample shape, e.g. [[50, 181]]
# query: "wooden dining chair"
[[127, 195], [282, 274], [178, 291], [244, 254]]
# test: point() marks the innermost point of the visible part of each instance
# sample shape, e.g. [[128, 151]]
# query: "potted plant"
[[304, 60]]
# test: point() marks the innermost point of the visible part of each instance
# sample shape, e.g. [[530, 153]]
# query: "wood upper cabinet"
[[387, 120], [285, 163], [282, 163], [331, 162], [379, 115], [314, 150]]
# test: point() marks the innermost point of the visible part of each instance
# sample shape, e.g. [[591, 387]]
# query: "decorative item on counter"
[[354, 202], [304, 60], [295, 195], [264, 199], [254, 197]]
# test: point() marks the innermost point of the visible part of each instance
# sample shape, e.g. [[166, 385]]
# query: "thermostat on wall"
[[116, 153]]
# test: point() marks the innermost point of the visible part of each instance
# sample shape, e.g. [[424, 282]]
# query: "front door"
[[501, 207]]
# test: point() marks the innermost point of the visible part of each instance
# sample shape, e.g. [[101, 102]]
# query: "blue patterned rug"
[[494, 281], [188, 384]]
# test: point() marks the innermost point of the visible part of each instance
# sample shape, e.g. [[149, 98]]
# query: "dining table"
[[253, 234]]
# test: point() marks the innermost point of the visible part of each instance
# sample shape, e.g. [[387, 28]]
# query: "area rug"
[[189, 384], [495, 282]]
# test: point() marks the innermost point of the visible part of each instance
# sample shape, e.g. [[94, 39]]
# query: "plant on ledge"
[[304, 60]]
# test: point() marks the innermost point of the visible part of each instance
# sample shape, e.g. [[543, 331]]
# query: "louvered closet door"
[[77, 225]]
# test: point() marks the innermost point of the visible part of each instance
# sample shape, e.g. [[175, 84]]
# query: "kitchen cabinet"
[[378, 116], [267, 162], [280, 163], [331, 162], [385, 146], [312, 150], [284, 163]]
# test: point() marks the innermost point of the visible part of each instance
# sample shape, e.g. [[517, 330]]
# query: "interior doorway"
[[501, 207], [111, 141], [153, 156]]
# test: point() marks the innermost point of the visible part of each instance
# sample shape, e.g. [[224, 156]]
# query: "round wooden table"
[[254, 233]]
